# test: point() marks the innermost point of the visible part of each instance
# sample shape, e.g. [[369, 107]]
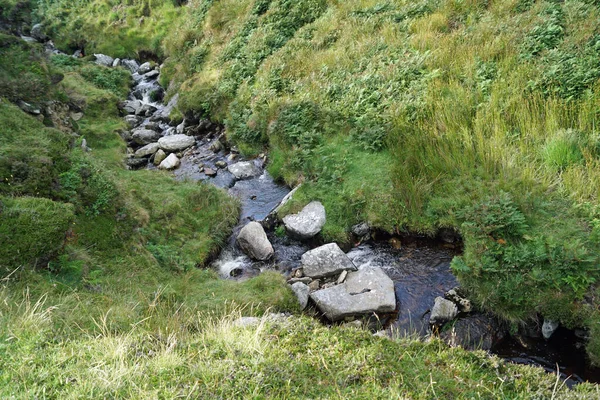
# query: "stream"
[[419, 267]]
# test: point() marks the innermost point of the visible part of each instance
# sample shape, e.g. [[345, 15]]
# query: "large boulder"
[[474, 332], [307, 223], [366, 291], [324, 261], [253, 240], [244, 170], [443, 311], [176, 142], [147, 150], [145, 136], [171, 162], [103, 59]]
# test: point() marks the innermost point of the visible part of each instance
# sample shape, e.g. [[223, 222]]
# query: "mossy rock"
[[33, 231]]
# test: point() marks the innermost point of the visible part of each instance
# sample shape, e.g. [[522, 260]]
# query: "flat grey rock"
[[176, 142], [103, 59], [307, 223], [443, 311], [366, 291], [324, 261], [244, 170], [145, 136], [147, 150]]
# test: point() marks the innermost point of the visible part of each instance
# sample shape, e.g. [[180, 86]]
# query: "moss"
[[33, 231]]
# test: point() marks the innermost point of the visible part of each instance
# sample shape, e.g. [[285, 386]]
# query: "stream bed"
[[419, 267]]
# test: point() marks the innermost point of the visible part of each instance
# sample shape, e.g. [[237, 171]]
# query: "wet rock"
[[176, 143], [135, 163], [210, 172], [131, 65], [548, 328], [366, 291], [307, 223], [221, 164], [132, 106], [159, 157], [146, 110], [103, 59], [145, 136], [151, 75], [474, 332], [324, 261], [443, 311], [232, 157], [216, 146], [302, 292], [171, 162], [253, 240], [244, 170], [38, 33], [147, 150], [165, 113], [152, 126], [362, 231], [144, 68]]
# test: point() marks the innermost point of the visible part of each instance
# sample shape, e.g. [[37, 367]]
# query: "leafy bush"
[[32, 232], [548, 34]]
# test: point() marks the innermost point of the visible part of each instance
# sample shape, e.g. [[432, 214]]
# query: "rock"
[[116, 62], [145, 136], [548, 328], [131, 65], [254, 242], [78, 54], [302, 292], [146, 110], [132, 106], [314, 285], [443, 311], [84, 145], [147, 150], [159, 157], [210, 172], [176, 142], [171, 162], [152, 126], [103, 59], [232, 157], [306, 280], [362, 231], [307, 223], [244, 170], [342, 277], [76, 116], [151, 75], [165, 113], [135, 163], [324, 261], [464, 305], [474, 332], [144, 68], [216, 146], [28, 108], [366, 291], [245, 322], [221, 164], [38, 33], [126, 136]]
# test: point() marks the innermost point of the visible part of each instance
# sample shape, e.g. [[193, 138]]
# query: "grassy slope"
[[478, 116]]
